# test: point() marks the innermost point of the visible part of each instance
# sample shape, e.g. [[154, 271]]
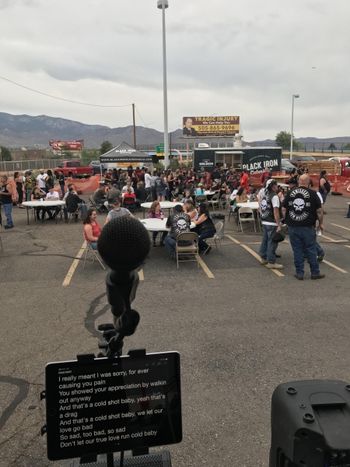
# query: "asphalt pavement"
[[240, 328]]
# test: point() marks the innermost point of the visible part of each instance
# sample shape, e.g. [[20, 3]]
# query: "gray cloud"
[[221, 59]]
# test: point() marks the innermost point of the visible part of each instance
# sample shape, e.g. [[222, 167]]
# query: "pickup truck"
[[73, 168]]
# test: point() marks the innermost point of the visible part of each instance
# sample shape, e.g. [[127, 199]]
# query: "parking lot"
[[240, 328]]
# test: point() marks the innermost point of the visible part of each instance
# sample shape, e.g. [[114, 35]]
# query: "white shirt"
[[125, 189], [41, 180], [148, 180], [52, 196]]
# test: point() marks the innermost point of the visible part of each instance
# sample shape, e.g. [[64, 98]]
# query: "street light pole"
[[163, 4], [294, 96]]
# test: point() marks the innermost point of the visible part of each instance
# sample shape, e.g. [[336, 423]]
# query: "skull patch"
[[299, 204], [263, 204]]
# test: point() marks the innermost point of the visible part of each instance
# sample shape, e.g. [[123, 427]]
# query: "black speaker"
[[310, 424]]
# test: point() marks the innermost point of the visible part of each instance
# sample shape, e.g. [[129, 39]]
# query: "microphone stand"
[[121, 291], [121, 288]]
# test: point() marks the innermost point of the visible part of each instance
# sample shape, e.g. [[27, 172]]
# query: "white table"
[[163, 205], [249, 204], [158, 225], [155, 225], [42, 204]]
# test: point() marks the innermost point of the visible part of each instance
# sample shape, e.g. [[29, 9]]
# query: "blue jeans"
[[268, 247], [303, 242], [170, 245], [93, 245], [202, 245], [8, 213]]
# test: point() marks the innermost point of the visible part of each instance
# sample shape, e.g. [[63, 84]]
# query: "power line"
[[60, 98], [138, 113]]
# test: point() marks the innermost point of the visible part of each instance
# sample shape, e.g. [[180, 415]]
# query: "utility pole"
[[134, 125], [162, 5]]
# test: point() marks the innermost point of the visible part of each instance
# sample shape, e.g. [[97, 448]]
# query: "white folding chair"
[[248, 217], [218, 236], [89, 251], [214, 201]]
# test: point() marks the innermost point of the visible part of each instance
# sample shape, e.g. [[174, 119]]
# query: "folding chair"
[[201, 199], [73, 216], [94, 253], [219, 235], [214, 201], [248, 217], [189, 250]]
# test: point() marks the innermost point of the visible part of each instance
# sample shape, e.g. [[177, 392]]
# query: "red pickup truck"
[[74, 169]]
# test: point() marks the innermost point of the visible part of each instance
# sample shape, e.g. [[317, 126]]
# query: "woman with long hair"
[[324, 187], [49, 180], [92, 228], [18, 178], [155, 212], [205, 228]]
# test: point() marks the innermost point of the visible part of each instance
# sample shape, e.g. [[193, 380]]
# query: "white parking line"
[[333, 240], [205, 268], [74, 265], [141, 275], [341, 226], [253, 253], [337, 268]]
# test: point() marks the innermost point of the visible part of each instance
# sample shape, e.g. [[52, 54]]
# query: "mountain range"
[[36, 131]]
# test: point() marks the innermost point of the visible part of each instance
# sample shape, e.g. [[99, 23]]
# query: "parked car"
[[287, 166], [297, 160], [73, 168], [95, 165]]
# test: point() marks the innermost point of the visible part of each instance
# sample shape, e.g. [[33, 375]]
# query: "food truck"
[[253, 159]]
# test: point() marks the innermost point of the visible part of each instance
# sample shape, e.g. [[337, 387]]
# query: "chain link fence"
[[21, 166]]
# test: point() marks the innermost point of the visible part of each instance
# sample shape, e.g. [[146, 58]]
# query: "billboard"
[[59, 145], [210, 126]]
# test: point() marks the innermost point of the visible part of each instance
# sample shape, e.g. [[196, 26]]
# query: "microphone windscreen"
[[124, 243]]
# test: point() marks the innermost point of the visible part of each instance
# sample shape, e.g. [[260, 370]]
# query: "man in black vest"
[[302, 209], [179, 222], [269, 205]]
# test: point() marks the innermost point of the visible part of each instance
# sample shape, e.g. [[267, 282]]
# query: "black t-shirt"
[[179, 222], [72, 202], [301, 204]]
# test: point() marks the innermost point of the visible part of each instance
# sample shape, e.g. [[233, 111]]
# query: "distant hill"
[[25, 130], [30, 132]]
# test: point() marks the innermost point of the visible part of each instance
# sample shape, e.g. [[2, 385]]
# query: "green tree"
[[5, 154], [283, 139], [105, 147], [332, 147]]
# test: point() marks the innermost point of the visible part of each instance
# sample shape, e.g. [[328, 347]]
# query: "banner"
[[210, 126], [261, 159], [58, 145]]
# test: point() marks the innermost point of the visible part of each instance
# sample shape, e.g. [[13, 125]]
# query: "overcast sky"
[[225, 57]]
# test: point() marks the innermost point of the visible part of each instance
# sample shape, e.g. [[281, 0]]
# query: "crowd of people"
[[300, 207]]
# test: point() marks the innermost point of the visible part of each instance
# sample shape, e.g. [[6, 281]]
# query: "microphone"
[[123, 244]]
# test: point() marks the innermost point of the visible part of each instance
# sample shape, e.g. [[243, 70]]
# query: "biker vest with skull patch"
[[266, 208], [180, 223], [301, 204]]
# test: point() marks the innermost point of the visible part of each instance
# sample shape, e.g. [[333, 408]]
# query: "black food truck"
[[254, 159]]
